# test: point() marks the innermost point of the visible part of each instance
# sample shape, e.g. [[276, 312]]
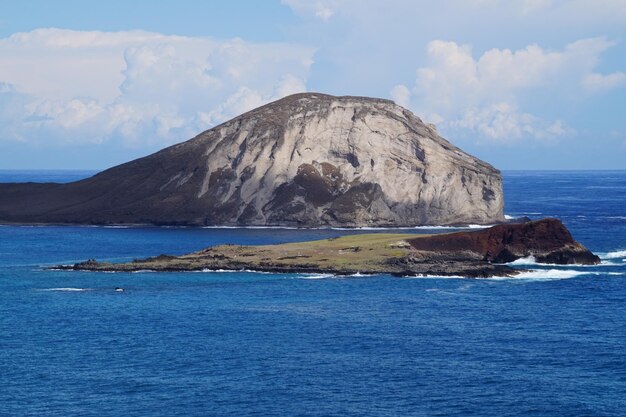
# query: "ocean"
[[549, 343]]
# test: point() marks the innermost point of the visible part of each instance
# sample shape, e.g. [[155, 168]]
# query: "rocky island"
[[468, 254], [307, 160]]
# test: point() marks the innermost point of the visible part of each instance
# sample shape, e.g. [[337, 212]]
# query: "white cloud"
[[483, 94], [324, 13], [401, 95], [504, 122], [598, 82], [79, 86]]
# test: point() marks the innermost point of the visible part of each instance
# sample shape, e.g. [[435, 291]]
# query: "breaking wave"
[[531, 261], [69, 289], [219, 271], [544, 275], [427, 276], [316, 276], [618, 254]]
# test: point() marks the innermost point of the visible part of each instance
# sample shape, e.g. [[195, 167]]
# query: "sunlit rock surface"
[[308, 160]]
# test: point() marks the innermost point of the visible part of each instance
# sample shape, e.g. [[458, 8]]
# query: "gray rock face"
[[306, 160]]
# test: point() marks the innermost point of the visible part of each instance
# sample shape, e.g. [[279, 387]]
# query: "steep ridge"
[[306, 160]]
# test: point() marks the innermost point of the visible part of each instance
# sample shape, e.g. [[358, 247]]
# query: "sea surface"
[[551, 343]]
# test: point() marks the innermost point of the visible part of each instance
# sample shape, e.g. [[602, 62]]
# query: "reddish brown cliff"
[[547, 240]]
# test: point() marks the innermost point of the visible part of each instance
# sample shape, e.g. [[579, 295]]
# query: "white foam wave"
[[509, 217], [544, 275], [534, 274], [233, 270], [358, 274], [316, 276], [426, 276], [70, 289], [618, 254], [217, 270], [531, 261]]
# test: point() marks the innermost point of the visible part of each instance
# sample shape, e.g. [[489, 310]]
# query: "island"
[[473, 254], [306, 160]]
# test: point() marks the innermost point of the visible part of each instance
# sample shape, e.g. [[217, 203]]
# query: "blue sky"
[[523, 84]]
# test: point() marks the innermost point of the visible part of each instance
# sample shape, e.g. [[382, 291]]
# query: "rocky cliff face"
[[305, 160], [546, 240]]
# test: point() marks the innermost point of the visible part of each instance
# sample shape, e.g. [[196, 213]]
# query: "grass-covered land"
[[365, 253], [468, 253]]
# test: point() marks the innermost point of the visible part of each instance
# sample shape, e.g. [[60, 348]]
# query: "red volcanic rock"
[[547, 240]]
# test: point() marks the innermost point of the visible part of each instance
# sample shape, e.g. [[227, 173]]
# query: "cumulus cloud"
[[401, 95], [483, 94], [599, 82], [136, 86]]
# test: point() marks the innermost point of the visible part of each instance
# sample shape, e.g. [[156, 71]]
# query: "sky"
[[522, 84]]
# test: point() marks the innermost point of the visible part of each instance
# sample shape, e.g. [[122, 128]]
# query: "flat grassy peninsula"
[[371, 253]]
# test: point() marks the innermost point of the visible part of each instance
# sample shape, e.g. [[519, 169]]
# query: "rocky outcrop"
[[306, 160], [466, 254], [547, 240]]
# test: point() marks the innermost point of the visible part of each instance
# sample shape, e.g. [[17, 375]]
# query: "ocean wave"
[[219, 271], [358, 274], [531, 261], [316, 276], [545, 275], [70, 289], [618, 254], [329, 275], [530, 275], [427, 276]]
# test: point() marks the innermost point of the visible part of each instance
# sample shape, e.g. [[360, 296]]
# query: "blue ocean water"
[[552, 343]]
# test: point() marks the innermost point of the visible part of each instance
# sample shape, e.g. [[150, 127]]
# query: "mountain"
[[306, 160]]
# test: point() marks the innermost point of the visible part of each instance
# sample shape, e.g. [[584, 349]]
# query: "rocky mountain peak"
[[305, 160]]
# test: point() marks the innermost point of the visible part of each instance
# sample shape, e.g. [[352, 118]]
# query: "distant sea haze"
[[44, 175]]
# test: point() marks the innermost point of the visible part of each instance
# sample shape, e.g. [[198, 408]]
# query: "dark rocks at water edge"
[[467, 254], [548, 241], [306, 160]]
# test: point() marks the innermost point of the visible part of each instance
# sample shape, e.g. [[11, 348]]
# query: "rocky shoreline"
[[472, 254]]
